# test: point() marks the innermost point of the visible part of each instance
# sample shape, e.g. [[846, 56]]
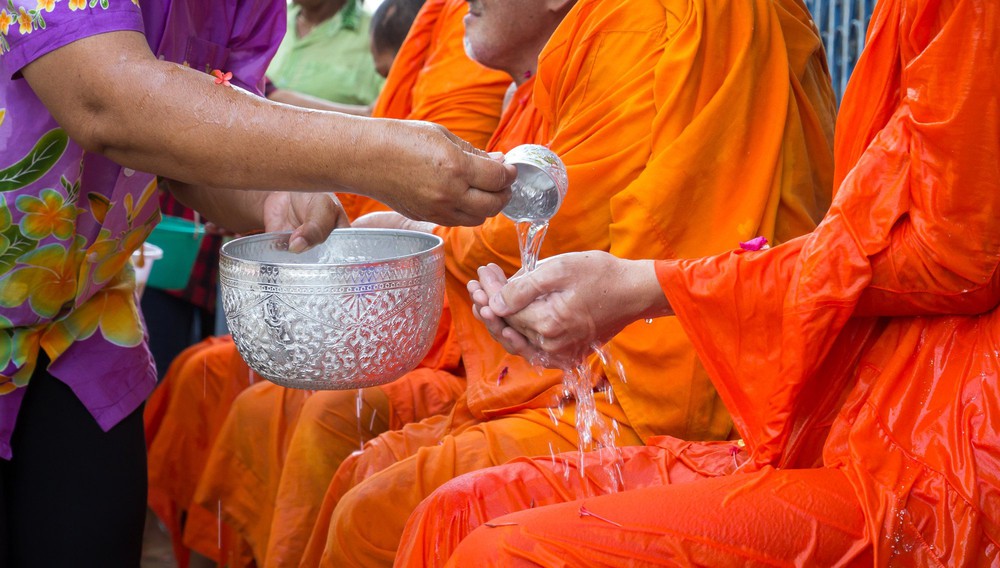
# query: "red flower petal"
[[222, 78]]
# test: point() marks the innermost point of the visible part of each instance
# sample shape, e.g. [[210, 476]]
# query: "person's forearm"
[[642, 296], [308, 101], [235, 210], [392, 220], [159, 117]]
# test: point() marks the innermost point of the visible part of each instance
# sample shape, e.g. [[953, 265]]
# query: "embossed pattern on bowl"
[[359, 310]]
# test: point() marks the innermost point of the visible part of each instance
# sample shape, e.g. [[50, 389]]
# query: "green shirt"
[[333, 62]]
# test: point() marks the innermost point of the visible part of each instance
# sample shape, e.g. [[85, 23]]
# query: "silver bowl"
[[357, 311]]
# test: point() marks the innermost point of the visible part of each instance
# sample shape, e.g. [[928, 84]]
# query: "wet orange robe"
[[651, 113], [860, 362], [431, 79]]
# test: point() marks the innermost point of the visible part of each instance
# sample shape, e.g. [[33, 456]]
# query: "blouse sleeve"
[[258, 28], [30, 29]]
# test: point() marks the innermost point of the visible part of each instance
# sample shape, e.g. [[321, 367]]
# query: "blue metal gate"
[[842, 25]]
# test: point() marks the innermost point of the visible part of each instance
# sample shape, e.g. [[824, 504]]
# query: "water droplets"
[[596, 435], [552, 413], [621, 372], [218, 520]]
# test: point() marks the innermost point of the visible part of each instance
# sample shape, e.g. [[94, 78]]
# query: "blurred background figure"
[[326, 53]]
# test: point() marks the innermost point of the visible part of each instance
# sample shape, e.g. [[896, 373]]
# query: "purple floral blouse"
[[69, 220]]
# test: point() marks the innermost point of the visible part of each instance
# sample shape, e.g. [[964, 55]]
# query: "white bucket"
[[143, 260]]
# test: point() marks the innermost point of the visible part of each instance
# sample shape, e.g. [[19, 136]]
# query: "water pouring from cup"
[[540, 186], [536, 195]]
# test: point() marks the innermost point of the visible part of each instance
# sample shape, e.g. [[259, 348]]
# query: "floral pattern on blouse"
[[31, 20], [75, 288], [70, 219]]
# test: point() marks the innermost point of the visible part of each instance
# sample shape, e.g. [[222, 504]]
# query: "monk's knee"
[[485, 546]]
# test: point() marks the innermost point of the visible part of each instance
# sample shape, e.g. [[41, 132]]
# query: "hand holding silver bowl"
[[359, 310]]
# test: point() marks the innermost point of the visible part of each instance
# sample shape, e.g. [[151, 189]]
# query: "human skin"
[[570, 302], [497, 39], [166, 119]]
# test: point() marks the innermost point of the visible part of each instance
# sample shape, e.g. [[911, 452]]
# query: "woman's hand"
[[310, 216], [438, 177], [556, 314]]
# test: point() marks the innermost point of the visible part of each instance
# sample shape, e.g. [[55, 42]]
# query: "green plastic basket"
[[180, 240]]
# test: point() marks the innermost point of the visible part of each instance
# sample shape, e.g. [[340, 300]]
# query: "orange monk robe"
[[240, 433], [866, 351], [274, 458], [667, 483], [433, 79], [154, 413], [203, 377], [621, 89]]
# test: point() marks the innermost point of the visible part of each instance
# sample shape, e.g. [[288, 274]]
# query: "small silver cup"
[[540, 186]]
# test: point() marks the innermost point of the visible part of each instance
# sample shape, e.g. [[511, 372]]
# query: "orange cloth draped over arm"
[[433, 79], [913, 230], [892, 237]]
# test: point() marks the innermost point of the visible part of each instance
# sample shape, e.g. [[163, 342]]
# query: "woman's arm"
[[115, 98]]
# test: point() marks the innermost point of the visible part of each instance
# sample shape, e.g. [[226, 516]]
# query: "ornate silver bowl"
[[357, 311]]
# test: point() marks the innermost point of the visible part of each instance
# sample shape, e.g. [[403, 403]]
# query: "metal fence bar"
[[842, 26]]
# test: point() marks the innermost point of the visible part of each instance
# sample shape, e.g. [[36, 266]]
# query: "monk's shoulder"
[[638, 16]]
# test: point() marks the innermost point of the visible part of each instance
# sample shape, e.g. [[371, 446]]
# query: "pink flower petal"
[[758, 243]]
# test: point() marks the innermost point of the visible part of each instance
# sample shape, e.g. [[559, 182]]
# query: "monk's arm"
[[926, 271], [943, 255], [115, 98]]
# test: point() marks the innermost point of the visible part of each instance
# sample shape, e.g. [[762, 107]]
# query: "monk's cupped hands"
[[556, 314], [442, 178]]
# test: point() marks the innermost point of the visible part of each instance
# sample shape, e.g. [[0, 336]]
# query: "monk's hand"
[[574, 302], [310, 216], [442, 178], [491, 281], [391, 220]]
